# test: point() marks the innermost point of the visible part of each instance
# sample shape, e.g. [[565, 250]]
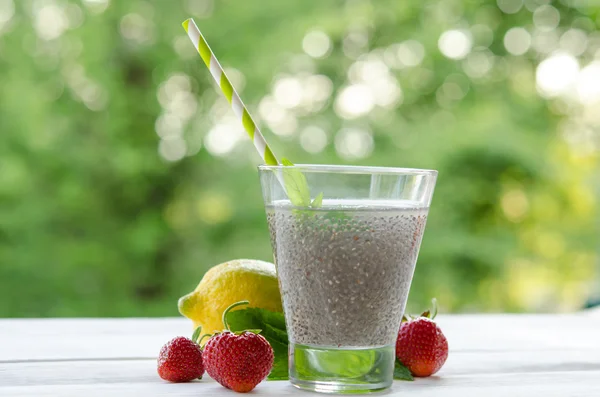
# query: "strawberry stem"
[[202, 337], [236, 304]]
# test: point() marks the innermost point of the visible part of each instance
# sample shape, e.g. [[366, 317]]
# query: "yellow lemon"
[[227, 283]]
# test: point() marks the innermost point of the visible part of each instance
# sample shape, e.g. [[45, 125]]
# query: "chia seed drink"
[[345, 241], [345, 269]]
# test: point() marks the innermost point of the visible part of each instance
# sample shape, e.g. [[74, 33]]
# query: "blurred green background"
[[124, 175]]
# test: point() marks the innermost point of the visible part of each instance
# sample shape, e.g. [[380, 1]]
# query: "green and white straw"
[[232, 96], [292, 180]]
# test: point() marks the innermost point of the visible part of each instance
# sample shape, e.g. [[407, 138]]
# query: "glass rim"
[[351, 169]]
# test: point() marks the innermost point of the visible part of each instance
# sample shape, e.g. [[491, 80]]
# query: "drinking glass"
[[345, 267]]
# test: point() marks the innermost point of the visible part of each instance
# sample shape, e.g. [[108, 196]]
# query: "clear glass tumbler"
[[345, 269]]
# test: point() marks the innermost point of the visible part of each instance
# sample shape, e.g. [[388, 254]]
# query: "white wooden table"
[[490, 355]]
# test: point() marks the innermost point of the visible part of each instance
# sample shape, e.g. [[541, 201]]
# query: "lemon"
[[227, 283]]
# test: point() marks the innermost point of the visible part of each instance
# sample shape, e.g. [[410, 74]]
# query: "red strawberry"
[[180, 360], [239, 361], [421, 346]]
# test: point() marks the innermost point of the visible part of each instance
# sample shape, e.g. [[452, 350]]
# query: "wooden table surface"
[[490, 355]]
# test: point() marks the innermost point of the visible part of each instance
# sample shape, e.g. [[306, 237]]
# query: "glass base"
[[341, 370]]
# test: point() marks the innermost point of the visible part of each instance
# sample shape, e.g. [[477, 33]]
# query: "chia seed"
[[345, 272]]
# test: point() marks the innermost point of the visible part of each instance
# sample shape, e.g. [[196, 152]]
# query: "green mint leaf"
[[274, 333], [401, 372], [296, 185], [342, 363], [253, 331], [196, 334], [318, 201], [255, 318], [272, 326], [280, 362], [286, 162], [242, 319], [275, 319]]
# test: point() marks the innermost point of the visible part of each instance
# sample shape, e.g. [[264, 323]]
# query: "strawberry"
[[239, 361], [421, 345], [180, 360]]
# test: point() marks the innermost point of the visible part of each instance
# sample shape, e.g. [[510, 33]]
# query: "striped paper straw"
[[232, 96]]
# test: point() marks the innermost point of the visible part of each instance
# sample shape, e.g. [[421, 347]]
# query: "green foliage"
[[100, 215], [401, 372], [296, 185]]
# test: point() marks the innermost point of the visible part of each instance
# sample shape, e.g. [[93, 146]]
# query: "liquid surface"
[[345, 269]]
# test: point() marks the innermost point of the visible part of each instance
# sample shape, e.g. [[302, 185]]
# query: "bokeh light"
[[515, 205], [455, 44], [510, 6], [517, 41], [137, 29], [355, 42], [557, 74], [478, 64], [223, 137], [214, 207], [546, 18], [172, 148], [287, 91], [199, 8], [316, 90], [316, 44], [96, 6], [573, 41], [353, 143], [354, 101], [50, 21], [168, 125], [588, 84], [409, 53], [313, 139], [7, 10], [545, 42]]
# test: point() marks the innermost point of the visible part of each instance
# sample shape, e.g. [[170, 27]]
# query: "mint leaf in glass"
[[318, 201], [296, 187], [331, 363]]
